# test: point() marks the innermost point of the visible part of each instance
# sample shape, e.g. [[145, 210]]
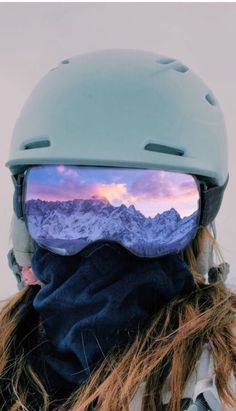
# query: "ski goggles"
[[150, 212]]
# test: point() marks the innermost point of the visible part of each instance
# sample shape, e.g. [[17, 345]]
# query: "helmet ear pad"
[[205, 258], [23, 244]]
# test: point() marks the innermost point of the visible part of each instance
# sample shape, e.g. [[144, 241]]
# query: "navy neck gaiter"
[[97, 300]]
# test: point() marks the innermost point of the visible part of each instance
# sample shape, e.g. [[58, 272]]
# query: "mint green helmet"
[[126, 108], [123, 108]]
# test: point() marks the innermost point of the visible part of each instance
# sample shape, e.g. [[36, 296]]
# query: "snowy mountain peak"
[[103, 199], [172, 213], [132, 208]]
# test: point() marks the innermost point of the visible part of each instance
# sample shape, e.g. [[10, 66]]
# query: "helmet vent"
[[181, 68], [210, 98], [165, 60], [160, 148], [36, 144]]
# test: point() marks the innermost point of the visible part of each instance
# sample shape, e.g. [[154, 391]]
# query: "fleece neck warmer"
[[96, 300]]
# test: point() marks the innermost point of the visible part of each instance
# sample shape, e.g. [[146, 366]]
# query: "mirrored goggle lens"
[[150, 212]]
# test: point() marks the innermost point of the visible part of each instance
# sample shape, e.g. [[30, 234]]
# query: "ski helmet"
[[125, 108]]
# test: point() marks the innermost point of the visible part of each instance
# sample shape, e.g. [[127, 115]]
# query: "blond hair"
[[170, 347]]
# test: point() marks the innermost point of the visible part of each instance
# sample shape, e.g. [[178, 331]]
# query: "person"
[[119, 160]]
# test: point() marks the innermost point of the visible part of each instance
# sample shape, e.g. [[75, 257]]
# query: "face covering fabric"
[[94, 301]]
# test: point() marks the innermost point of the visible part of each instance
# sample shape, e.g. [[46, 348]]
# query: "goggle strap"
[[17, 196], [211, 199]]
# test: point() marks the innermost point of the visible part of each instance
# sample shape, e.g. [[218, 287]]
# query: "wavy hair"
[[169, 348]]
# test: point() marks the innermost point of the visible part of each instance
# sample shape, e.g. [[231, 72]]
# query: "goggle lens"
[[150, 212]]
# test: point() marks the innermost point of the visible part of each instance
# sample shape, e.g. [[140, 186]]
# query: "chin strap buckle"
[[218, 273], [15, 267]]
